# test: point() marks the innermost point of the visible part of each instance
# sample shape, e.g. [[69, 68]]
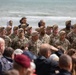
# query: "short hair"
[[44, 48], [65, 61], [71, 52], [8, 52], [17, 66]]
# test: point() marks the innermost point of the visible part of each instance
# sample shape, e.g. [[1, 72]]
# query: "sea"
[[51, 11]]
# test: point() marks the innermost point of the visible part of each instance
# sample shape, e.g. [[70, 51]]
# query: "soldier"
[[41, 23], [6, 38], [28, 32], [34, 43], [44, 38], [19, 41], [68, 27], [72, 35], [62, 41], [10, 23], [49, 30], [23, 21], [54, 36], [8, 30], [74, 44], [24, 27], [15, 32]]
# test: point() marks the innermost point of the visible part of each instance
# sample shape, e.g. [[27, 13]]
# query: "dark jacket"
[[64, 72], [5, 65], [44, 66]]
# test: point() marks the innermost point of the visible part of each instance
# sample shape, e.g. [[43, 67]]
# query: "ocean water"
[[51, 11]]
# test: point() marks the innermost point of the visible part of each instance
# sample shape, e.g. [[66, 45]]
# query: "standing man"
[[5, 65], [68, 27], [34, 43]]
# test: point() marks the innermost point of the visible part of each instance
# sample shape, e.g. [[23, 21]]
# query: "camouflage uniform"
[[7, 41], [54, 36], [28, 35], [66, 30], [44, 39], [48, 30], [18, 43], [65, 44], [34, 46], [13, 35], [6, 38], [74, 44], [71, 36]]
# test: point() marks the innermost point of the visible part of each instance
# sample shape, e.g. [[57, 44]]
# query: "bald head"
[[45, 49], [2, 45], [65, 62]]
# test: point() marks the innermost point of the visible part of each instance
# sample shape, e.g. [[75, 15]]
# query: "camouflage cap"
[[2, 28], [67, 22], [55, 27], [49, 27], [15, 28], [37, 29], [28, 28], [23, 25], [74, 26], [20, 30], [8, 28], [62, 33], [34, 33]]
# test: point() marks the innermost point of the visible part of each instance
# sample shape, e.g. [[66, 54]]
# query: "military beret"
[[28, 28], [62, 33], [34, 33], [49, 27], [2, 28], [74, 26], [55, 27], [67, 22], [22, 60], [15, 27], [8, 28]]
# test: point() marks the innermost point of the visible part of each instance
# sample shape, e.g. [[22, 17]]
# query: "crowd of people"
[[44, 51]]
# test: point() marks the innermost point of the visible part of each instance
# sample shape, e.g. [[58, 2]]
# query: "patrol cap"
[[2, 28], [49, 27], [20, 30], [22, 60], [62, 33], [67, 22], [15, 28], [55, 27], [8, 28], [23, 25], [34, 33], [37, 29], [28, 28], [74, 26]]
